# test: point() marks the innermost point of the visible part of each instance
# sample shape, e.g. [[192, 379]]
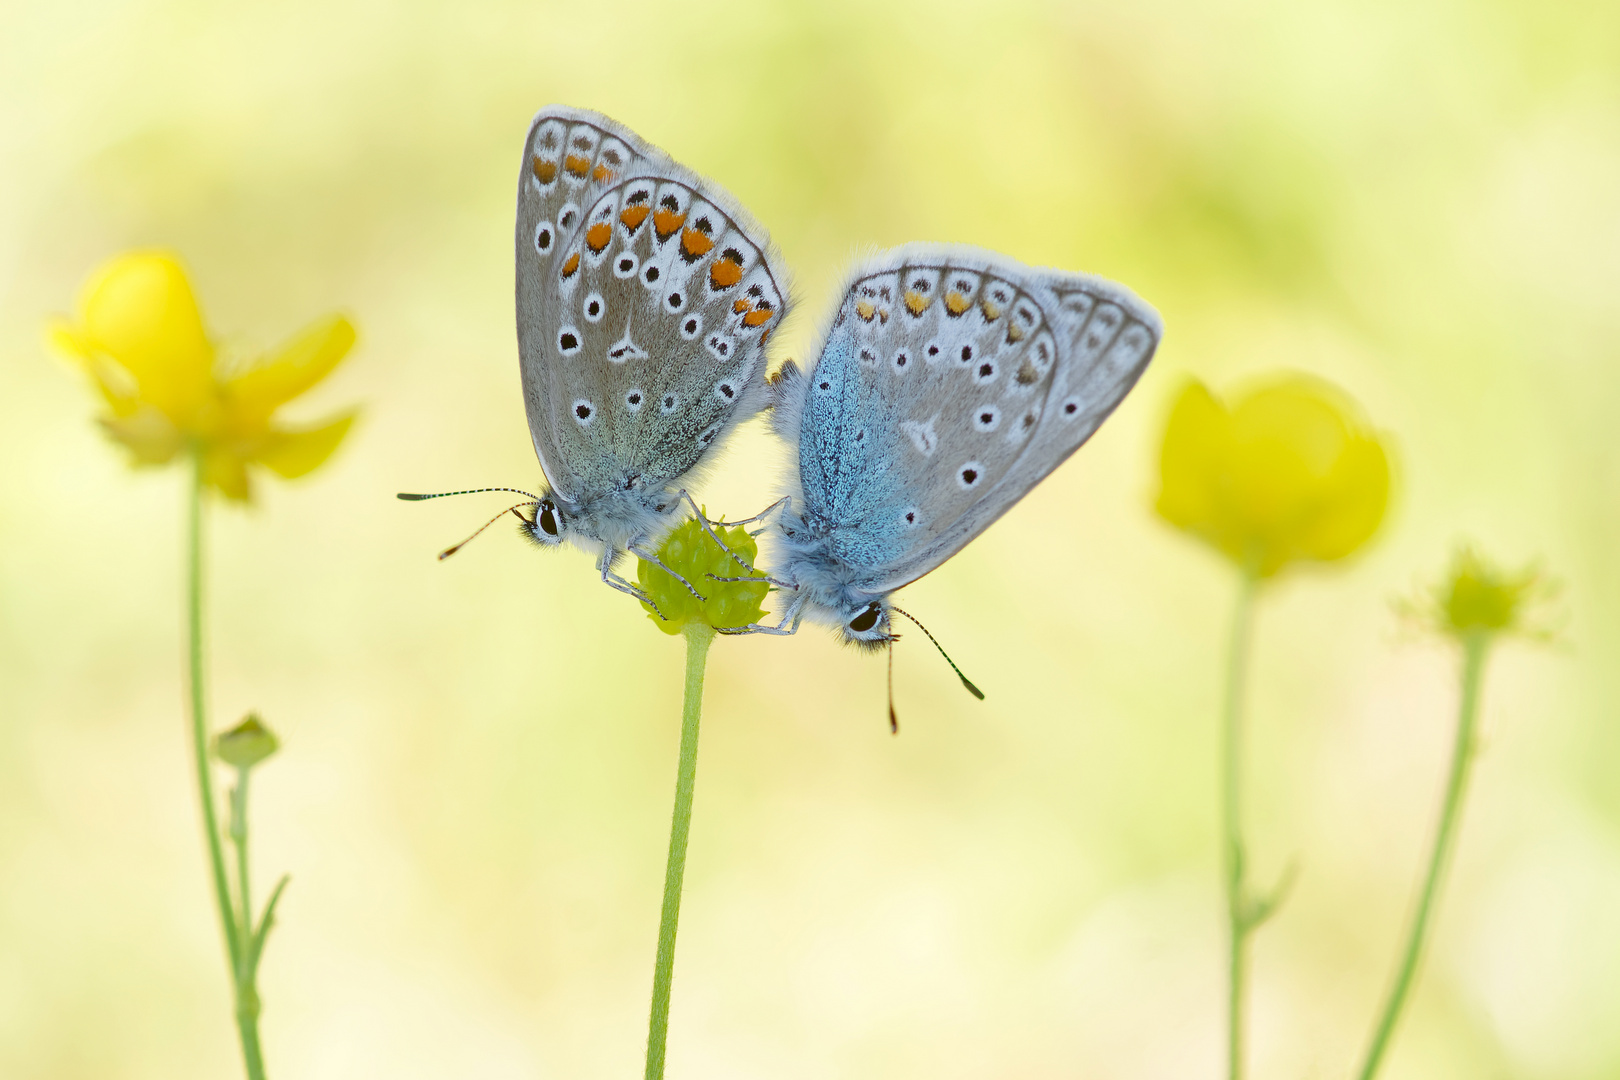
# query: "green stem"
[[239, 838], [1475, 647], [235, 943], [199, 721], [1241, 920], [247, 1026], [698, 639], [247, 974]]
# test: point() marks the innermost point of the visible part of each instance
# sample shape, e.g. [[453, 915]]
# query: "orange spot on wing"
[[916, 302], [597, 237], [602, 172], [865, 310], [1015, 332], [765, 334], [633, 216], [545, 171], [956, 303], [991, 312], [694, 243], [741, 305], [577, 165], [571, 265], [724, 274], [758, 318], [666, 222]]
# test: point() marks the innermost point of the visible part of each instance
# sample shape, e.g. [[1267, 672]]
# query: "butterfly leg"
[[784, 505], [794, 615], [761, 516], [703, 520], [614, 581], [648, 556]]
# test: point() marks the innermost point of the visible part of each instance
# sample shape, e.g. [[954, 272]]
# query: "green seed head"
[[246, 744], [1477, 598], [690, 552]]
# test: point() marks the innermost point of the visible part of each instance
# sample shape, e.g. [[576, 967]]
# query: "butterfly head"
[[549, 526], [867, 625]]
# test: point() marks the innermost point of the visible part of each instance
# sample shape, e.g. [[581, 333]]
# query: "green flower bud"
[[246, 744], [1477, 598], [690, 552]]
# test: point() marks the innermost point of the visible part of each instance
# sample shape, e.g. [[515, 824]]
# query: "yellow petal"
[[117, 386], [294, 368], [225, 472], [62, 336], [292, 454], [1356, 507], [139, 310], [1285, 444], [1194, 447], [148, 433]]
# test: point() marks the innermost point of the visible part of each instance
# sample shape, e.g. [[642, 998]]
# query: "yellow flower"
[[1290, 473], [1479, 599], [690, 552], [140, 337]]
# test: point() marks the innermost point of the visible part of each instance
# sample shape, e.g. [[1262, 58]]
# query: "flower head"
[[1289, 473], [140, 336], [1476, 598], [692, 553], [246, 744]]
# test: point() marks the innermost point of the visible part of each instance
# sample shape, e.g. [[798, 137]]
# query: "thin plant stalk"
[[1241, 920], [247, 993], [237, 948], [239, 838], [698, 638], [1475, 646]]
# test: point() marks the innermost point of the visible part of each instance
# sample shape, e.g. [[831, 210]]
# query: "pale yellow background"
[[1420, 202]]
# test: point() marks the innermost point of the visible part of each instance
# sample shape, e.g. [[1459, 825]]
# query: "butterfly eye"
[[547, 519], [867, 619]]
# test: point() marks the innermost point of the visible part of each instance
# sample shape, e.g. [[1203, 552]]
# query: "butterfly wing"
[[645, 296], [569, 157], [952, 381]]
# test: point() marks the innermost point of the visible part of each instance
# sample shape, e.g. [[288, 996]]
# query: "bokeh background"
[[1420, 202]]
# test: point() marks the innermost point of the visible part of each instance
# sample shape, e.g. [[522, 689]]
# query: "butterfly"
[[950, 381], [645, 297]]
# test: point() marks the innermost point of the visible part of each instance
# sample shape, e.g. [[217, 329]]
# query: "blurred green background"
[[1420, 202]]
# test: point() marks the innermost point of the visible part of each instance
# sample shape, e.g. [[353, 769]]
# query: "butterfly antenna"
[[974, 690], [449, 551], [894, 721], [408, 497]]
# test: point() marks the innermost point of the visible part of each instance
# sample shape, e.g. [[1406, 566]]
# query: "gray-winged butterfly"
[[645, 296], [949, 382]]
